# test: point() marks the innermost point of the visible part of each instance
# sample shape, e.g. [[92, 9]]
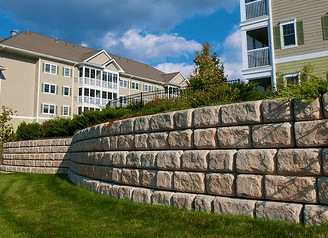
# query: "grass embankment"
[[50, 206]]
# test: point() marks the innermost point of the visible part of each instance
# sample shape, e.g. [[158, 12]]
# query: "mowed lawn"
[[34, 205]]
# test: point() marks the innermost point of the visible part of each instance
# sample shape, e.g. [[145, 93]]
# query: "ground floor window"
[[48, 108]]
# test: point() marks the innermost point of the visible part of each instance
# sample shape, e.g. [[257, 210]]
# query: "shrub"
[[57, 127], [30, 131]]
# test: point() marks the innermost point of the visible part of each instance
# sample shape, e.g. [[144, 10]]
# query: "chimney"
[[13, 32]]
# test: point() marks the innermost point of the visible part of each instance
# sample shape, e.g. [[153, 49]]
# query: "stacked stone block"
[[36, 156]]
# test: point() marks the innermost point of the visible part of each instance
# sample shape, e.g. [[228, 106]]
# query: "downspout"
[[38, 94], [273, 79]]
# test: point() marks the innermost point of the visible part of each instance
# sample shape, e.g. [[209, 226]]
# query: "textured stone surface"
[[148, 178], [325, 161], [141, 124], [164, 180], [142, 195], [234, 137], [311, 133], [148, 160], [307, 112], [325, 105], [133, 159], [299, 162], [290, 188], [119, 159], [168, 160], [273, 135], [127, 126], [189, 182], [183, 119], [220, 184], [104, 188], [125, 192], [315, 214], [180, 139], [158, 141], [221, 160], [194, 160], [234, 206], [162, 122], [279, 211], [256, 161], [161, 197], [323, 190], [249, 186], [183, 200], [205, 138], [203, 203], [275, 110], [141, 141], [130, 176], [125, 142], [241, 113], [117, 175], [206, 117]]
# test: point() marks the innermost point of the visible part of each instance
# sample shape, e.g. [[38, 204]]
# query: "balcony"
[[255, 8], [258, 57]]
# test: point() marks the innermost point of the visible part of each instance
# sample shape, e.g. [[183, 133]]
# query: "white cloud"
[[140, 45], [184, 68]]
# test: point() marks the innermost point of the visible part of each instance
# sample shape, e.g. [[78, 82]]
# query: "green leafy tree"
[[6, 128]]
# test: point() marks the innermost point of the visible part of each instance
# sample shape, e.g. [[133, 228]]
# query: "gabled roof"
[[168, 77]]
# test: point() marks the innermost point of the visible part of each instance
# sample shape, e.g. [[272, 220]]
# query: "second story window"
[[67, 72], [288, 34], [66, 91], [50, 68], [49, 88]]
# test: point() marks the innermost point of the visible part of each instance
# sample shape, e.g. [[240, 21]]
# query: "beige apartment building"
[[279, 37], [44, 78]]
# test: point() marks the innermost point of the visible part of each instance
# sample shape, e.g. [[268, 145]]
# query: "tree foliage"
[[6, 128]]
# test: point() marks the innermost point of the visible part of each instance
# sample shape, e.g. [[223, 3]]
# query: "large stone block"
[[183, 200], [205, 138], [148, 159], [112, 129], [130, 177], [142, 195], [119, 159], [276, 135], [162, 122], [168, 160], [194, 160], [220, 184], [107, 159], [109, 143], [256, 161], [141, 141], [234, 137], [221, 160], [158, 141], [279, 211], [189, 182], [241, 113], [325, 161], [180, 139], [299, 162], [125, 142], [306, 111], [164, 180], [183, 119], [315, 214], [234, 206], [276, 110], [249, 186], [141, 124], [104, 188], [125, 192], [203, 203], [114, 191], [163, 198], [311, 133], [323, 190], [117, 175], [290, 188], [148, 178], [325, 105], [206, 117], [133, 159], [127, 126]]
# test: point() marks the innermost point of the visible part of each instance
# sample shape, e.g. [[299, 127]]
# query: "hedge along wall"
[[262, 158], [36, 156]]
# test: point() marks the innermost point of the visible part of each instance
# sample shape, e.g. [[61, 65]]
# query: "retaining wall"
[[261, 159]]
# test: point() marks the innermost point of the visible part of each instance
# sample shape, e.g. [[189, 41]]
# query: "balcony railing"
[[258, 57], [256, 9], [97, 82]]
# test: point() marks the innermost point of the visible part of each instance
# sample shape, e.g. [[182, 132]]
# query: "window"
[[147, 88], [66, 91], [157, 89], [65, 110], [135, 85], [325, 27], [50, 68], [123, 83], [67, 72], [292, 78], [288, 34], [49, 88], [48, 108]]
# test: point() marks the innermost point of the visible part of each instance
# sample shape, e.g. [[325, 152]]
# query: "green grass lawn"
[[34, 205]]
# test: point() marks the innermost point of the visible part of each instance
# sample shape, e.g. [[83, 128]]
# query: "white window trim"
[[149, 87], [64, 106], [124, 81], [50, 65], [48, 113], [282, 42], [50, 84], [292, 74], [69, 90], [69, 72], [135, 85]]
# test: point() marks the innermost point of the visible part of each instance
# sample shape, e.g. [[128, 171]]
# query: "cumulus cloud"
[[184, 68], [138, 44]]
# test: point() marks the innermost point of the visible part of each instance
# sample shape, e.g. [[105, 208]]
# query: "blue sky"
[[164, 34]]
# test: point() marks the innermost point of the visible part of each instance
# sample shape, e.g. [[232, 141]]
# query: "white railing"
[[92, 100], [80, 99], [256, 9], [86, 99], [258, 57], [98, 82], [114, 85], [80, 81], [97, 101]]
